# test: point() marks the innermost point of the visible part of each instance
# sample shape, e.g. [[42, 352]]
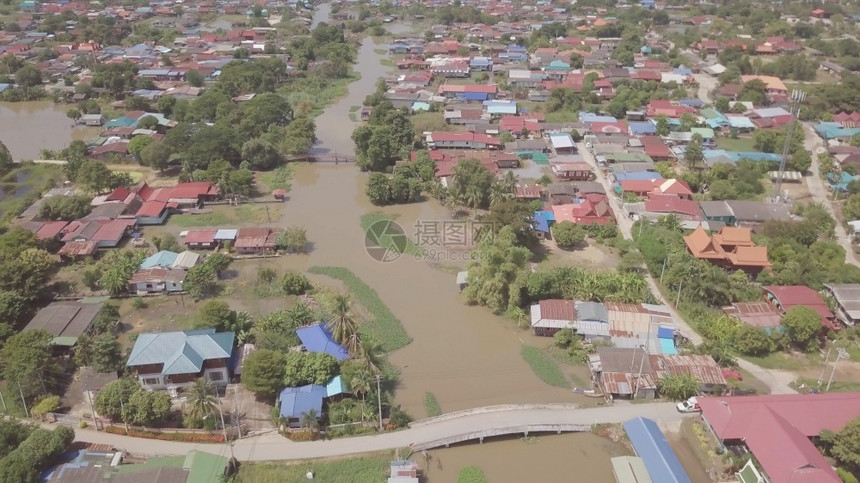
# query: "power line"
[[797, 97]]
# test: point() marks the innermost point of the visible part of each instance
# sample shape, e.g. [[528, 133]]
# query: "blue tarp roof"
[[830, 130], [296, 401], [650, 444], [667, 347], [316, 338], [642, 127], [542, 219]]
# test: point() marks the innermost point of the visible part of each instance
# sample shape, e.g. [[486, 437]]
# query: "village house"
[[847, 297], [786, 297], [585, 212], [778, 430], [461, 140], [256, 240], [66, 321], [169, 360], [731, 248]]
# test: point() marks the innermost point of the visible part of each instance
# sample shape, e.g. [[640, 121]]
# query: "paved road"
[[271, 447]]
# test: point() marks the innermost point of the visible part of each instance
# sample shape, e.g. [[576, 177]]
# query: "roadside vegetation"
[[366, 468], [543, 366], [431, 405]]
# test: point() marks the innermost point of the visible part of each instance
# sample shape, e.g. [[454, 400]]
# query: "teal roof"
[[181, 352], [558, 65], [204, 467], [335, 387], [120, 122], [705, 132], [163, 259]]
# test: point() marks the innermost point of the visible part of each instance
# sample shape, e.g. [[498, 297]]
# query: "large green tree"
[[27, 363], [844, 445], [112, 398], [568, 234], [471, 183], [263, 372], [678, 387], [309, 368], [803, 327]]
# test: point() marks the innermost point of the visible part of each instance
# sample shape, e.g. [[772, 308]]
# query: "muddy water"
[[464, 355], [27, 127], [334, 127], [580, 457]]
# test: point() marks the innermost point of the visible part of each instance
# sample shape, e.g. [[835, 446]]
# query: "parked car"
[[689, 406]]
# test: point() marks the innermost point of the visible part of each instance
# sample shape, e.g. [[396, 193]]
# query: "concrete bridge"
[[462, 426]]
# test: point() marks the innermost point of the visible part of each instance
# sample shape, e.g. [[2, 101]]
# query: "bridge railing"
[[503, 431], [490, 409]]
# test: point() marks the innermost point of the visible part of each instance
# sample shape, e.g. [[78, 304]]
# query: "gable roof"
[[702, 246], [181, 352], [317, 338], [651, 445], [163, 259], [296, 401], [65, 319]]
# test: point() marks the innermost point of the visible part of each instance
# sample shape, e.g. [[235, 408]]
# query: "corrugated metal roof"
[[630, 469], [651, 445], [702, 367], [186, 350]]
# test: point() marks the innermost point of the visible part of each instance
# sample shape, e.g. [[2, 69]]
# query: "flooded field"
[[570, 457], [27, 127]]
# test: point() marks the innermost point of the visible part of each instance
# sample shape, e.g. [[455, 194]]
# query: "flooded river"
[[27, 127]]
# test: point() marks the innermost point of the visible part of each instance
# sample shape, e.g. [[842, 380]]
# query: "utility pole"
[[23, 401], [840, 354], [664, 269], [678, 298], [826, 359], [5, 409], [797, 97], [124, 419], [379, 398], [92, 408], [641, 363], [223, 426]]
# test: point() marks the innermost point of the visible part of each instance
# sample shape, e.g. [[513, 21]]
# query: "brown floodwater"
[[466, 356], [577, 457], [27, 127]]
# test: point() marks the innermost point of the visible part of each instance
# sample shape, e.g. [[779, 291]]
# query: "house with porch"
[[784, 297], [169, 360]]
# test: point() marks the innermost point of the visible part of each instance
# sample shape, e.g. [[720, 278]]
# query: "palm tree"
[[342, 322], [474, 198], [370, 356], [353, 344], [510, 182], [201, 400], [309, 420], [499, 193], [361, 383]]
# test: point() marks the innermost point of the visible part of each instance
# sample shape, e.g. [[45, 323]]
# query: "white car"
[[689, 406]]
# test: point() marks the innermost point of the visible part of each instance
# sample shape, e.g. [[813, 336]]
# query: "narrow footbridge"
[[523, 429]]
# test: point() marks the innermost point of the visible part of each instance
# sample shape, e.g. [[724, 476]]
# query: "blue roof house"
[[651, 445], [542, 221], [641, 128], [296, 401], [316, 338], [167, 360]]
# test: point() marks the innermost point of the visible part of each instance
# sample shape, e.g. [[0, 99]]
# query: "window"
[[215, 376], [152, 381]]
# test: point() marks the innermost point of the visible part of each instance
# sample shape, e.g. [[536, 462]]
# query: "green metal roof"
[[152, 463], [204, 467], [64, 341]]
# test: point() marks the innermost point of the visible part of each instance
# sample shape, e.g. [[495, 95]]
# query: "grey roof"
[[632, 167], [756, 211], [185, 260], [65, 319], [462, 277], [588, 187], [592, 311], [713, 209], [181, 352], [561, 189], [847, 295], [614, 359]]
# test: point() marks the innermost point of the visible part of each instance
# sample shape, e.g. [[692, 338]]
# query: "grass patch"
[[354, 108], [562, 116], [353, 117], [431, 405], [279, 178], [208, 219], [471, 474], [23, 185], [368, 219], [739, 144], [779, 360], [380, 51], [368, 468], [429, 121], [543, 366], [386, 62], [256, 213], [805, 384], [383, 326]]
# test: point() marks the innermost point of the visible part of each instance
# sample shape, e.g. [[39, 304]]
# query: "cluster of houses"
[[114, 216]]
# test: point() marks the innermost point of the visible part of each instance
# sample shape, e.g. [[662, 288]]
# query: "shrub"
[[568, 234], [431, 405], [471, 474], [139, 303], [294, 283]]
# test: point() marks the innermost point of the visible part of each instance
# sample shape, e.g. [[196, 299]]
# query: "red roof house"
[[777, 430], [673, 204], [586, 212], [788, 296]]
